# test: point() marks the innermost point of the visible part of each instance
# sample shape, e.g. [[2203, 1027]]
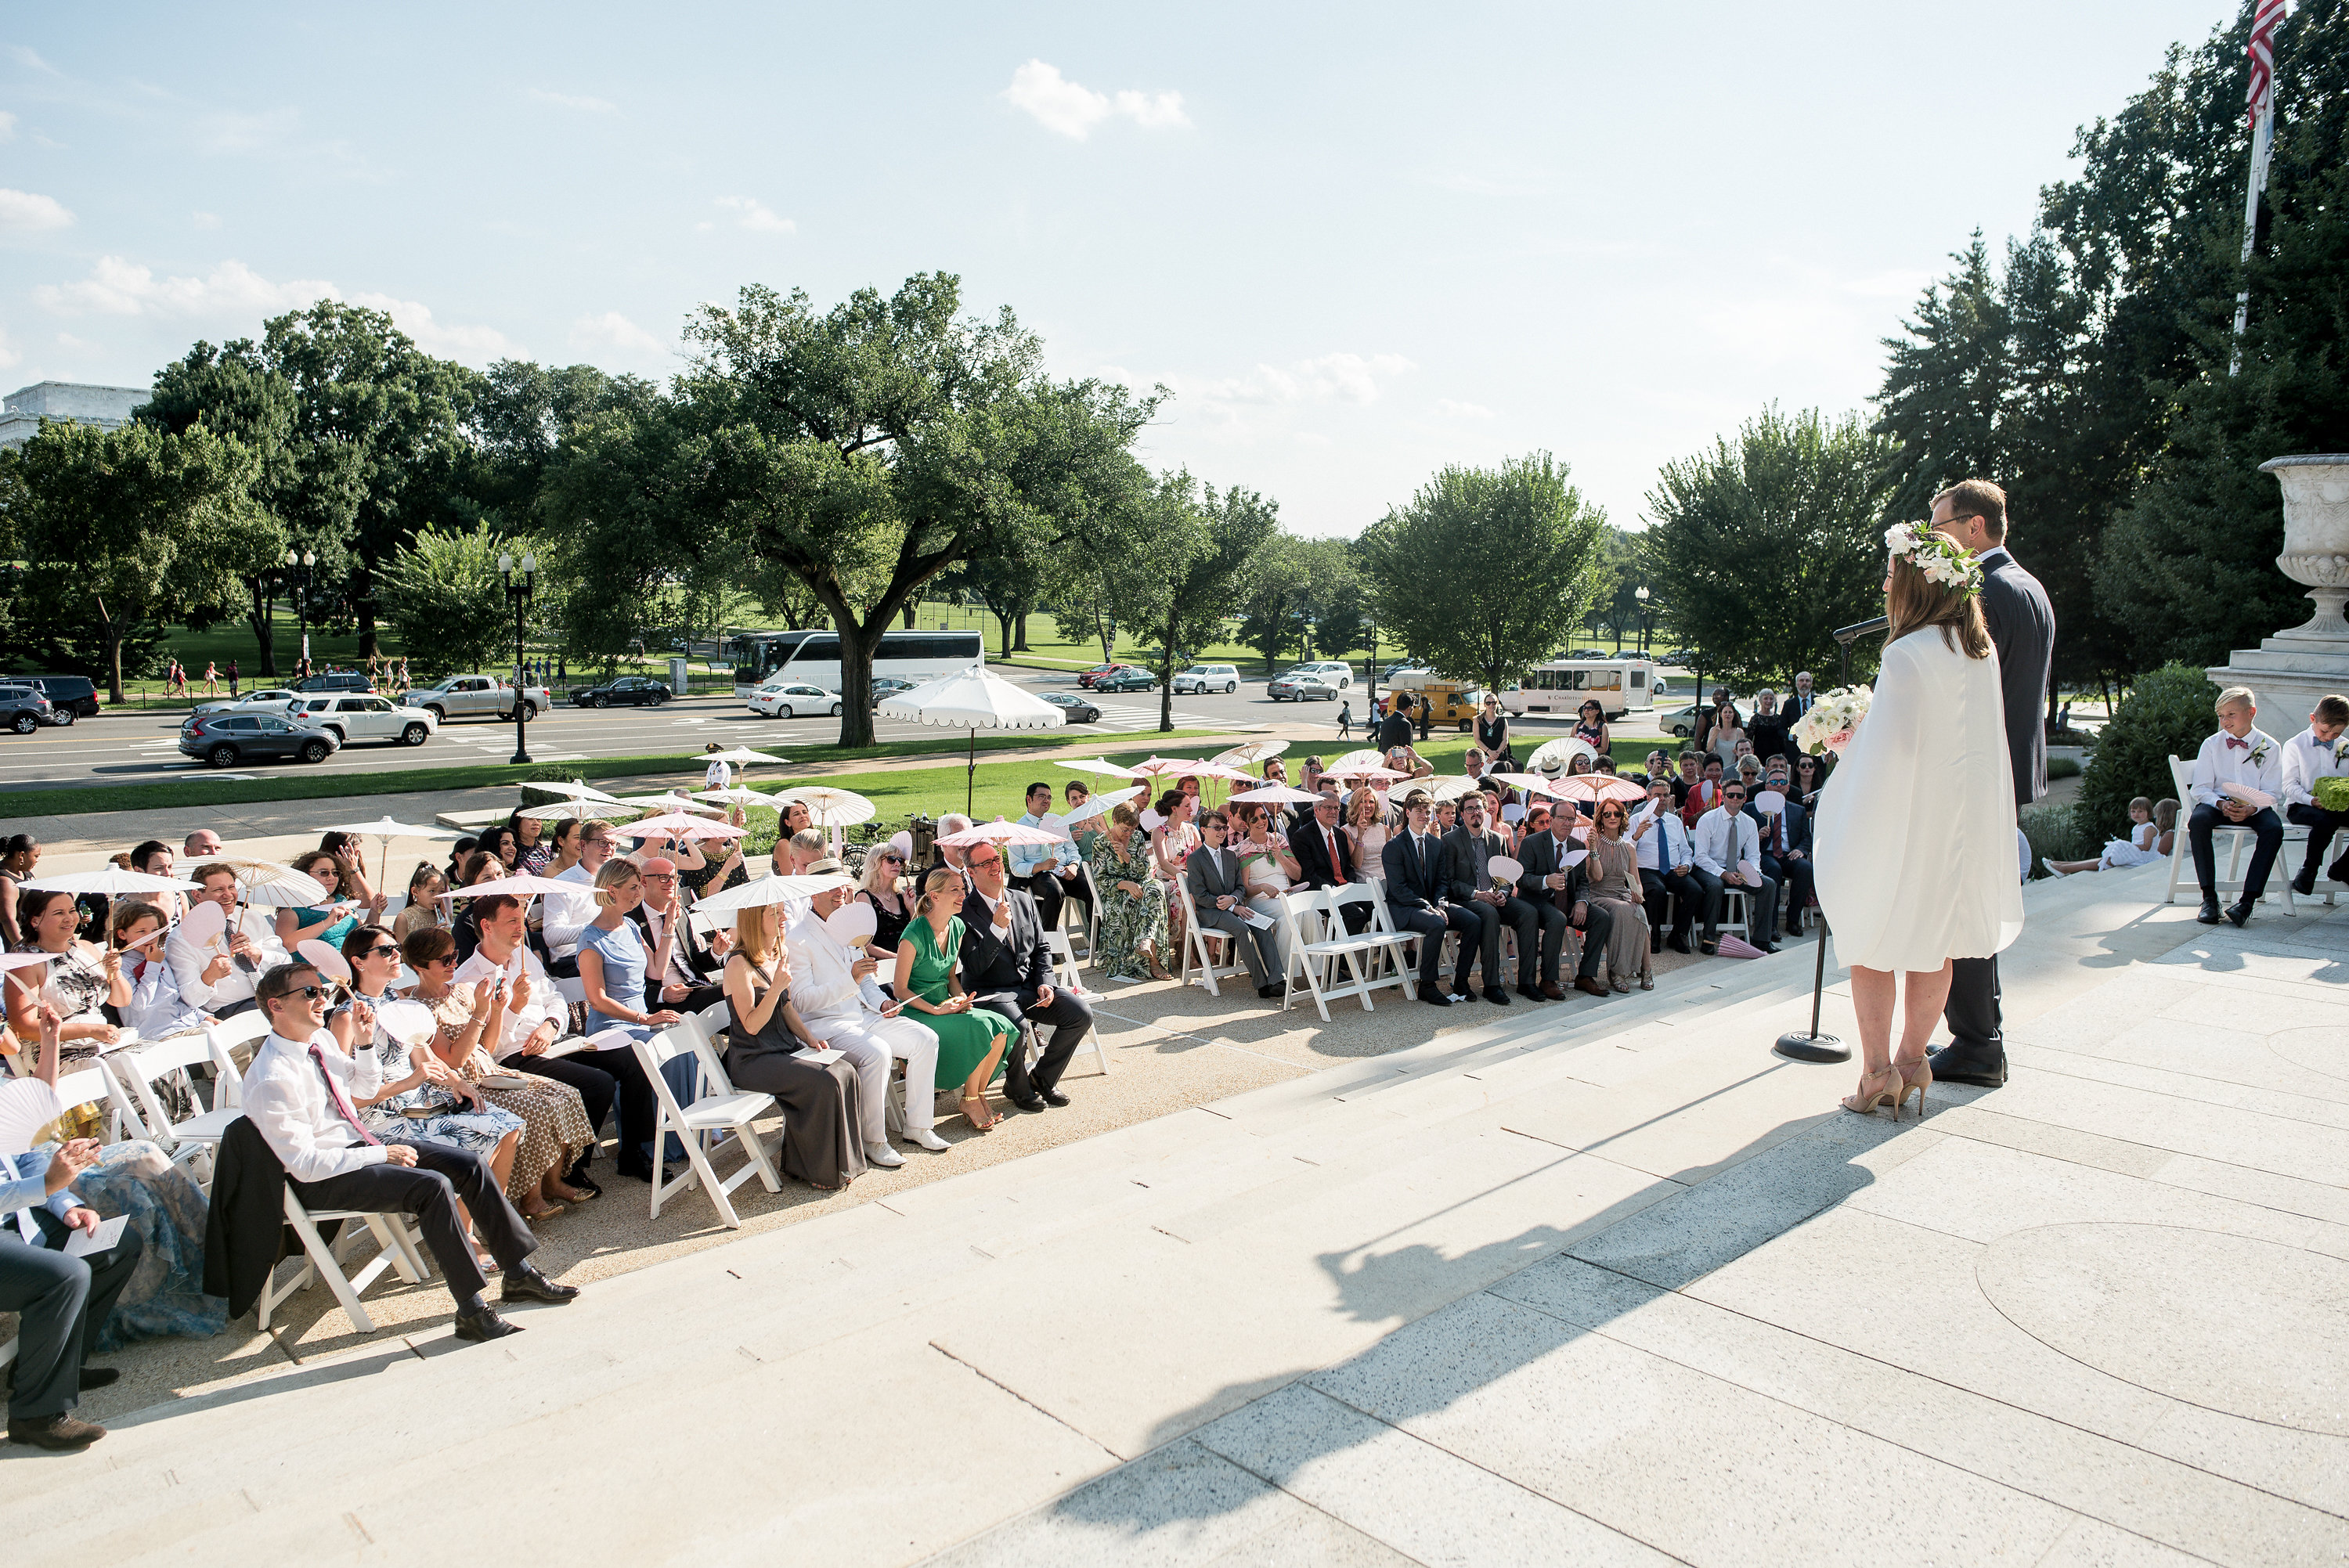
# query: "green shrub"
[[2166, 713], [2063, 767], [2061, 831]]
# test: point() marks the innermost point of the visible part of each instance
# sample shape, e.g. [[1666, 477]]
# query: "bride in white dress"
[[1915, 839]]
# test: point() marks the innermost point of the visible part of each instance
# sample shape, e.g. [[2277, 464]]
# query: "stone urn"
[[2316, 539]]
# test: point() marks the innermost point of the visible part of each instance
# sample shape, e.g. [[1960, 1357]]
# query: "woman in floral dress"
[[1134, 901]]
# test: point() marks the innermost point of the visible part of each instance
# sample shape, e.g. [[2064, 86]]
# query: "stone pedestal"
[[2293, 668]]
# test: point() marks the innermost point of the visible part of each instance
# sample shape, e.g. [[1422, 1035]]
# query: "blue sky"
[[1359, 242]]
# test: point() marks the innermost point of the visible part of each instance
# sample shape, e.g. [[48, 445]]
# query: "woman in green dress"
[[1133, 901], [971, 1040]]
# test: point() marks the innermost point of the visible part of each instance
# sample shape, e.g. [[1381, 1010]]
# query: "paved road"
[[129, 749]]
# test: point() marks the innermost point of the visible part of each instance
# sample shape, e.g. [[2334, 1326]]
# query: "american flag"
[[2262, 53]]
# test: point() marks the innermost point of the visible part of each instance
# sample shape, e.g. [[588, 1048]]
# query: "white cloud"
[[119, 287], [1453, 409], [755, 215], [7, 126], [572, 101], [204, 219], [613, 330], [8, 355], [24, 57], [1330, 378], [23, 213], [1072, 109], [449, 340]]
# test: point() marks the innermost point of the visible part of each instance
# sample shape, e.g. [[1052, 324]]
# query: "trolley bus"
[[814, 656], [1562, 685]]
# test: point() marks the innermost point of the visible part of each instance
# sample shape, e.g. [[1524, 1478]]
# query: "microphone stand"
[[1814, 1047]]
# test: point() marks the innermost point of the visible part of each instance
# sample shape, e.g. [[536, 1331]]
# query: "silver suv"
[[1209, 677], [24, 710]]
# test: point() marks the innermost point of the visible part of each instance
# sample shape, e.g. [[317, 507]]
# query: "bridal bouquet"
[[1831, 720]]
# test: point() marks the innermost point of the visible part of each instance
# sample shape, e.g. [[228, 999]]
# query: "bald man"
[[203, 844]]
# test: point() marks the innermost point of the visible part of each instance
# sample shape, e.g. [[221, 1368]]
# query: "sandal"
[[967, 1101]]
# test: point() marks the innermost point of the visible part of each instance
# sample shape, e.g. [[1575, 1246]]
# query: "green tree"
[[1764, 545], [1433, 564], [2167, 714], [445, 593], [125, 527], [1184, 552]]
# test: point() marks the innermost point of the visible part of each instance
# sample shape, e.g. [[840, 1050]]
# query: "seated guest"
[[156, 1007], [807, 846], [425, 886], [1658, 766], [154, 858], [464, 1026], [203, 844], [1469, 850], [1269, 871], [1706, 796], [1418, 900], [2316, 753], [535, 1017], [1785, 844], [1325, 857], [974, 1042], [1048, 873], [219, 977], [884, 867], [1366, 833], [1690, 777], [1613, 874], [1134, 902], [1407, 762], [1217, 882], [1007, 970], [2244, 755], [1579, 763], [1561, 895], [832, 988], [1666, 866], [82, 982], [2137, 850], [941, 853], [613, 964], [298, 1095], [565, 917], [690, 981], [1808, 778], [537, 845], [340, 914], [350, 853], [822, 1111], [1724, 841]]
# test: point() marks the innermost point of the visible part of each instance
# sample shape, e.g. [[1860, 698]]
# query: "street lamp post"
[[297, 577], [518, 594], [1641, 594]]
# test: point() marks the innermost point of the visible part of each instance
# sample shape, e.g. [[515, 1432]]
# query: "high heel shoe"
[[1875, 1090], [984, 1120], [1916, 1077]]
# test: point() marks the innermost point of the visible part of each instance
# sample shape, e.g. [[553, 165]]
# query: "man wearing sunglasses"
[[1724, 841], [301, 1094], [1007, 969]]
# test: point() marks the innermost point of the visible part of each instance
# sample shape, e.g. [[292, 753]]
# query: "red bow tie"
[[2238, 743]]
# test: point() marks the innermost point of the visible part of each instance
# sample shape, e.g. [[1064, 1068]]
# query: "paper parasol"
[[523, 886], [828, 807], [1368, 757], [767, 890], [1249, 751], [575, 789], [1594, 787], [1275, 795], [669, 801], [740, 754], [999, 831], [267, 883], [1100, 805], [1554, 757], [605, 808], [110, 880], [1455, 788], [388, 828], [680, 825], [1101, 765]]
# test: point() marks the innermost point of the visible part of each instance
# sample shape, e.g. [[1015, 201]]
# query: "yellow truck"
[[1455, 703]]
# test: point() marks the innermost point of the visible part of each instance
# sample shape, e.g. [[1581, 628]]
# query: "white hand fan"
[[1751, 872], [203, 925], [1501, 868], [1770, 803], [1576, 857], [325, 959], [27, 1105], [852, 924]]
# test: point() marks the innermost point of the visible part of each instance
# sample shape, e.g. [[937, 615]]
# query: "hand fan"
[[852, 924], [203, 925], [325, 959]]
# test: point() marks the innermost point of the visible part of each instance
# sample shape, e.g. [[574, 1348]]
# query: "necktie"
[[1337, 873], [343, 1105], [1779, 824], [2234, 744], [1563, 895]]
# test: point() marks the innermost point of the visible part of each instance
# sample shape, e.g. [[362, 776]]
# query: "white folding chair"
[[397, 1248], [1359, 952], [723, 1108], [2181, 850], [247, 1029], [192, 1140], [1084, 918], [93, 1085], [1199, 945]]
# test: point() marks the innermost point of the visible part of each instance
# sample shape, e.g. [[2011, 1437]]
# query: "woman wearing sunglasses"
[[885, 869]]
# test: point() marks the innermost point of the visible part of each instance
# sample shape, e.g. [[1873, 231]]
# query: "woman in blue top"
[[336, 921], [613, 964]]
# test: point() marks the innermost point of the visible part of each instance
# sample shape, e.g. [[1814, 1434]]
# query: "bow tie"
[[2237, 745]]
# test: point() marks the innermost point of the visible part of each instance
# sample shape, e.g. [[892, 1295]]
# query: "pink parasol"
[[999, 831]]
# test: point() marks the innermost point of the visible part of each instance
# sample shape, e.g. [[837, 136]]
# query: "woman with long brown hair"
[[1614, 870], [1915, 836], [822, 1111]]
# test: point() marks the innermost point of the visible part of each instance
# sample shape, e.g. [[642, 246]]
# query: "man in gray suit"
[[1468, 849], [2023, 627], [1220, 895]]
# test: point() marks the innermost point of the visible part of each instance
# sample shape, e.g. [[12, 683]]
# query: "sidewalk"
[[1552, 1288]]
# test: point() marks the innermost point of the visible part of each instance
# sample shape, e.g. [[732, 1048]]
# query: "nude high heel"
[[1875, 1090], [1915, 1079]]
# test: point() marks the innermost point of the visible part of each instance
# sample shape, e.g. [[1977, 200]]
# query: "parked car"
[[476, 696], [228, 740], [1302, 685], [1093, 675], [273, 698], [1399, 667], [366, 718], [1684, 657], [1336, 672], [338, 680], [23, 709], [74, 696], [48, 712], [788, 699], [1679, 721], [1078, 710], [1127, 679], [1209, 677], [888, 685], [637, 690]]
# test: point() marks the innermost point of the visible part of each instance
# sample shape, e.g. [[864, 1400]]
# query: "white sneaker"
[[923, 1138], [882, 1155]]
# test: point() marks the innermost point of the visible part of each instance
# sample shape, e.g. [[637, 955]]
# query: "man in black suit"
[[1418, 901], [1325, 859], [687, 985], [1468, 850], [2022, 628], [1561, 893], [1007, 969]]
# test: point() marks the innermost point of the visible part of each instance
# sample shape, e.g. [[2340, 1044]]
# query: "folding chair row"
[[1317, 942], [716, 1108]]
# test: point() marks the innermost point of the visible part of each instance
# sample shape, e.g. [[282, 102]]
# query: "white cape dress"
[[1915, 839]]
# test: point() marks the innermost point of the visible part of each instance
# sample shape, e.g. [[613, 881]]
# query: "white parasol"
[[388, 828], [974, 699], [607, 808], [999, 831], [1368, 757], [1100, 805], [1532, 782], [669, 801], [682, 825], [1250, 751], [1593, 787], [740, 756], [1368, 775], [735, 795], [1275, 795], [273, 886], [828, 807], [523, 886], [576, 788], [111, 880], [1554, 757], [768, 889], [1455, 788], [1101, 765]]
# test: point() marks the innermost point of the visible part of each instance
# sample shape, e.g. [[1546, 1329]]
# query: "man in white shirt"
[[537, 1016], [301, 1095], [565, 915], [1050, 874], [219, 978], [1726, 841], [2320, 751], [828, 989], [1667, 867], [2246, 757]]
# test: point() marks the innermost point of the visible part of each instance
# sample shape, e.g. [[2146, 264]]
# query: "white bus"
[[1561, 687], [814, 656]]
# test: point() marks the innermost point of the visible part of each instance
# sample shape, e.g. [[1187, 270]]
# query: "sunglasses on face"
[[984, 865], [380, 949], [312, 992], [893, 860]]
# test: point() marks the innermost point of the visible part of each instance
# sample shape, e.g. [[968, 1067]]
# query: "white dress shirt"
[[156, 1007], [1722, 840], [188, 960], [288, 1105], [2218, 763], [546, 1003], [1024, 859], [2305, 760], [564, 916], [1665, 844]]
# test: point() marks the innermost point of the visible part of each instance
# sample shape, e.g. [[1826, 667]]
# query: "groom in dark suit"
[[2023, 627], [1007, 969]]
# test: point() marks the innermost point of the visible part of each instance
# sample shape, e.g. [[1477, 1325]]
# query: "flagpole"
[[2262, 143]]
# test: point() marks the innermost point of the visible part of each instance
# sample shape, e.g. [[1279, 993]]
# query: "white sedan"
[[270, 699], [788, 699]]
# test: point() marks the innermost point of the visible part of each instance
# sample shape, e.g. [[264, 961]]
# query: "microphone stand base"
[[1801, 1045]]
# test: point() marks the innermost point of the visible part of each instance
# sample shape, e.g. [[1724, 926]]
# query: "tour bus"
[[814, 656], [1561, 687]]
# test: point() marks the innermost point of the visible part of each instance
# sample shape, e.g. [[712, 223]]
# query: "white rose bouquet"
[[1831, 720]]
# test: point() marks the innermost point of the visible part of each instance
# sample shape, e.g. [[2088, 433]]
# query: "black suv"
[[73, 697], [341, 680]]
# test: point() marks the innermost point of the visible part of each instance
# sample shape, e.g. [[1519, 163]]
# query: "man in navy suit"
[[1786, 844], [1417, 887], [2022, 628]]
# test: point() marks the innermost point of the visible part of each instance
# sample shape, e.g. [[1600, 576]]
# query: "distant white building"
[[106, 407]]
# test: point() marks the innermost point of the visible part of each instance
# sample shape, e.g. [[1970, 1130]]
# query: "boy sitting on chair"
[[2241, 759], [2317, 752]]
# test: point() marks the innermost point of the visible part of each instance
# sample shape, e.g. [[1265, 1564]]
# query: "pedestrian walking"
[[1346, 719], [211, 678], [231, 677]]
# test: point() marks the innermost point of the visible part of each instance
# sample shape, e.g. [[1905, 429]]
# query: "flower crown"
[[1942, 559]]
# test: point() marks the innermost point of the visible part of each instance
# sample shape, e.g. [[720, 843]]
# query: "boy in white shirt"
[[2320, 751], [2246, 758]]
